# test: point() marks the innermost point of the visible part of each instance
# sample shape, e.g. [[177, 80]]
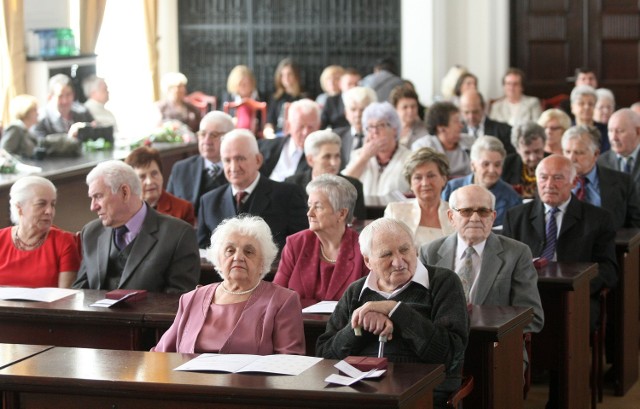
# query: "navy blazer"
[[282, 206], [186, 177], [271, 150], [164, 256], [586, 234]]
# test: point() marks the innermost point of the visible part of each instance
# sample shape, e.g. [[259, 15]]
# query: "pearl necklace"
[[22, 245], [239, 292], [332, 261]]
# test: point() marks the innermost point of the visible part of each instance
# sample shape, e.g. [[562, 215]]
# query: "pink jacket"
[[300, 260], [271, 323]]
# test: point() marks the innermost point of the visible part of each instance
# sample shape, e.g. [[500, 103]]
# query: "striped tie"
[[466, 272], [551, 236]]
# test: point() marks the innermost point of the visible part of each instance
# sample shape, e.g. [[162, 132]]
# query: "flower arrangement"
[[172, 132]]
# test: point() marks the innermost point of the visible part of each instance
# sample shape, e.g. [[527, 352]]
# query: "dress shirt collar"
[[562, 207], [634, 155], [249, 188], [134, 225], [420, 277], [462, 246]]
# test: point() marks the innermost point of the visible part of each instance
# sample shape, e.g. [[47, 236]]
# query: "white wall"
[[46, 14], [437, 34]]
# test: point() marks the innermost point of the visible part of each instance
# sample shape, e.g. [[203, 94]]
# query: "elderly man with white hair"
[[130, 245], [284, 157], [612, 190], [198, 174], [624, 135], [420, 309]]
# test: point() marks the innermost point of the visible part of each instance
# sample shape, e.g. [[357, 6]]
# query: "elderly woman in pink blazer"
[[321, 262], [243, 314]]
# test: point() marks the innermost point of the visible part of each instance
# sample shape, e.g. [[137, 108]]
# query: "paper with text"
[[44, 294]]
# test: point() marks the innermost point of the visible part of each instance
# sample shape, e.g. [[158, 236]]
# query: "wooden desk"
[[493, 356], [12, 353], [69, 176], [622, 307], [76, 377], [72, 322], [563, 343]]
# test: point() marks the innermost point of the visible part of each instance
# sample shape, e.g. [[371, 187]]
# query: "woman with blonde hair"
[[329, 82], [16, 138], [554, 121], [173, 106]]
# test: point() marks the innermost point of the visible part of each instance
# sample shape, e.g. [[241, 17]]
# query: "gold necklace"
[[238, 292], [332, 261], [21, 245]]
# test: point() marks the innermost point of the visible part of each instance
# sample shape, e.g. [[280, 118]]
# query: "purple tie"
[[119, 237], [551, 235], [239, 197]]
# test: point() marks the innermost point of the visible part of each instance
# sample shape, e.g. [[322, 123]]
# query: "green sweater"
[[430, 326]]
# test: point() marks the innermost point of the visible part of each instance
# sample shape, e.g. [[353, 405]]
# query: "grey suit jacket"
[[164, 256], [609, 160], [186, 178], [507, 275]]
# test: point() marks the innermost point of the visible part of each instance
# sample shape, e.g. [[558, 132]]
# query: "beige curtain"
[[12, 55], [151, 26], [91, 13]]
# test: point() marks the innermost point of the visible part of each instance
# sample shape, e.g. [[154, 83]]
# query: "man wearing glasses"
[[493, 269], [192, 177]]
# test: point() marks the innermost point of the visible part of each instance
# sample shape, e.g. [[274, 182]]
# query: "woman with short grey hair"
[[35, 253], [583, 104], [243, 314], [519, 169], [319, 263], [487, 159], [605, 105]]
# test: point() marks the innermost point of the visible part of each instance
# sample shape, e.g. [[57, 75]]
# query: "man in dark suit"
[[322, 152], [583, 232], [333, 115], [281, 205], [355, 102], [501, 269], [192, 177], [602, 187], [284, 157], [624, 136], [131, 245], [477, 124]]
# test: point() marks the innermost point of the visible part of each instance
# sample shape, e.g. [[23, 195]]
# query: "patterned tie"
[[239, 198], [551, 236], [213, 171], [466, 272], [119, 237], [581, 193]]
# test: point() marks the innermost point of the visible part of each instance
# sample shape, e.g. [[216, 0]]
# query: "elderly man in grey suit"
[[130, 245], [624, 136], [494, 270]]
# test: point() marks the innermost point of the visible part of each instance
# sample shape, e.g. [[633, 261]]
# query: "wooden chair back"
[[205, 103]]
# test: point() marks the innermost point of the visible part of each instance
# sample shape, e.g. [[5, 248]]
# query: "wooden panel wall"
[[551, 38]]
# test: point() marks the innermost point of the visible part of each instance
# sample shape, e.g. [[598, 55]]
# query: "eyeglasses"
[[554, 128], [376, 127], [212, 134], [468, 212]]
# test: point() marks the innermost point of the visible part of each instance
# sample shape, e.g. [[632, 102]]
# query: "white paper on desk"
[[323, 307], [44, 294], [354, 375], [354, 372], [281, 364]]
